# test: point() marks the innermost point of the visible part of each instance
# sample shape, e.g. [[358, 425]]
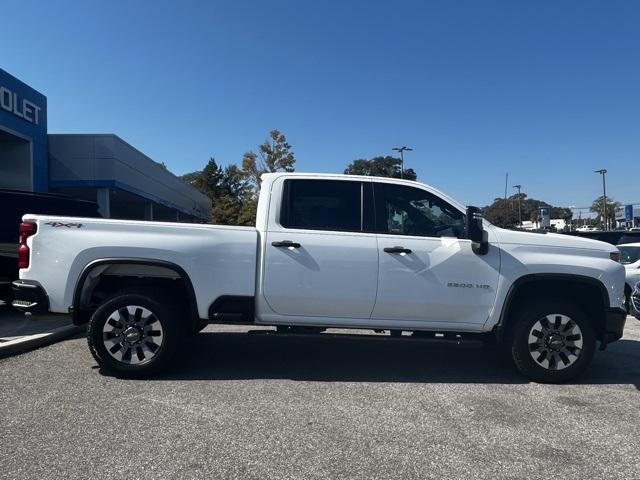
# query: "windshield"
[[629, 254]]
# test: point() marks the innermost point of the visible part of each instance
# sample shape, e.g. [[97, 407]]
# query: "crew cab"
[[327, 251]]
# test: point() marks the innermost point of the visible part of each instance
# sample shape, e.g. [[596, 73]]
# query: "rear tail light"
[[26, 230], [615, 256]]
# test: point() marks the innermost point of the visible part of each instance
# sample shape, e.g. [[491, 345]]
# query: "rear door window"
[[322, 205]]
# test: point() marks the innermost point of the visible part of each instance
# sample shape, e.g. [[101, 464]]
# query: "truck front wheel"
[[552, 342], [134, 335]]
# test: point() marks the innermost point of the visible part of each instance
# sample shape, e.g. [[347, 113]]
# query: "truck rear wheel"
[[552, 342], [134, 335]]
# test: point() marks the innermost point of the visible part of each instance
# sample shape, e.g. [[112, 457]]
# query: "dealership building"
[[628, 216], [100, 167]]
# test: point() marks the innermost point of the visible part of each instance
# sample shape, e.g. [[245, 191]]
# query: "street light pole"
[[519, 187], [402, 150], [572, 208], [603, 172]]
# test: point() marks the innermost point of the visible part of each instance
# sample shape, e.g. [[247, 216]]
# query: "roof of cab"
[[271, 177]]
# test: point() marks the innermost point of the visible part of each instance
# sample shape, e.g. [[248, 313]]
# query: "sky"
[[545, 90]]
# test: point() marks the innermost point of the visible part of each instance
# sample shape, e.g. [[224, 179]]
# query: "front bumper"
[[29, 296], [614, 325], [634, 302]]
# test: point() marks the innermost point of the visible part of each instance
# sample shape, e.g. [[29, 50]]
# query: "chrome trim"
[[21, 284], [23, 304]]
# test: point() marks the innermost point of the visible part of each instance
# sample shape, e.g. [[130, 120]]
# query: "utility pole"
[[519, 187], [603, 172], [572, 207], [402, 150], [506, 181], [505, 207]]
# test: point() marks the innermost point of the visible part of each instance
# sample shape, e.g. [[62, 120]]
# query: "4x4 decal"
[[62, 224]]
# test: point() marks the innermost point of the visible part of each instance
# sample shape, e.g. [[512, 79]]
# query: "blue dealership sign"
[[23, 115], [545, 217], [628, 213]]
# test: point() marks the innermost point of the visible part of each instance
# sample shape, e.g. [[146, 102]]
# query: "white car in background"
[[630, 258]]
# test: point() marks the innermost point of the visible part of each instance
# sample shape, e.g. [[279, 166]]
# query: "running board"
[[448, 338]]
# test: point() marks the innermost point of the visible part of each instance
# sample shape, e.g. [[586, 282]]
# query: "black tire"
[[156, 354], [627, 298], [627, 304], [562, 361]]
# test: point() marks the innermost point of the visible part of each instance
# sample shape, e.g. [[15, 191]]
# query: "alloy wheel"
[[555, 342], [132, 335]]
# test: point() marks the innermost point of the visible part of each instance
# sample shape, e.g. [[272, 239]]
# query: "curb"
[[31, 342]]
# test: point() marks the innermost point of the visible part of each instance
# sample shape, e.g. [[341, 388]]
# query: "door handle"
[[286, 244], [397, 250]]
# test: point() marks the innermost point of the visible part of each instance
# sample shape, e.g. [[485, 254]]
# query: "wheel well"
[[588, 295], [104, 279]]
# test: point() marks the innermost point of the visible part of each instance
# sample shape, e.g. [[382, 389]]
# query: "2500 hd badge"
[[467, 285]]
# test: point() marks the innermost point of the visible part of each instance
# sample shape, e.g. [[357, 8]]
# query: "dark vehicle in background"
[[614, 237], [13, 205]]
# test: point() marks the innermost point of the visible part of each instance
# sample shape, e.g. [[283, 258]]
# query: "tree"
[[564, 213], [250, 169], [505, 213], [234, 190], [232, 193], [273, 155], [206, 180], [191, 177], [501, 213], [597, 207], [387, 166], [228, 190]]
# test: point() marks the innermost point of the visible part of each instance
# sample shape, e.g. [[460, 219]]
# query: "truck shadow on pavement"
[[239, 356]]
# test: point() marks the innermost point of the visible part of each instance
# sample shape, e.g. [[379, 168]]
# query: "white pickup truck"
[[327, 251]]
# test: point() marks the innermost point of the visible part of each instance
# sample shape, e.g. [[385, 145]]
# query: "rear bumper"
[[29, 296], [614, 324]]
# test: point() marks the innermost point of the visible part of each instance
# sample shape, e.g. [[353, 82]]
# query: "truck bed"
[[202, 251]]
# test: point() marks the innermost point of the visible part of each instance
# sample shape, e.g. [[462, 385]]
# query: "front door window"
[[403, 210]]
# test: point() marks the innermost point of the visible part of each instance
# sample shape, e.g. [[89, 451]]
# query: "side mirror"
[[475, 231]]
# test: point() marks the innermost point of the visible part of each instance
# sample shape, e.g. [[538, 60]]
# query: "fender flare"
[[545, 277], [74, 310]]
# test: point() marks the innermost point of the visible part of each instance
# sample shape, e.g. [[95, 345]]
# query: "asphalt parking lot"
[[268, 407]]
